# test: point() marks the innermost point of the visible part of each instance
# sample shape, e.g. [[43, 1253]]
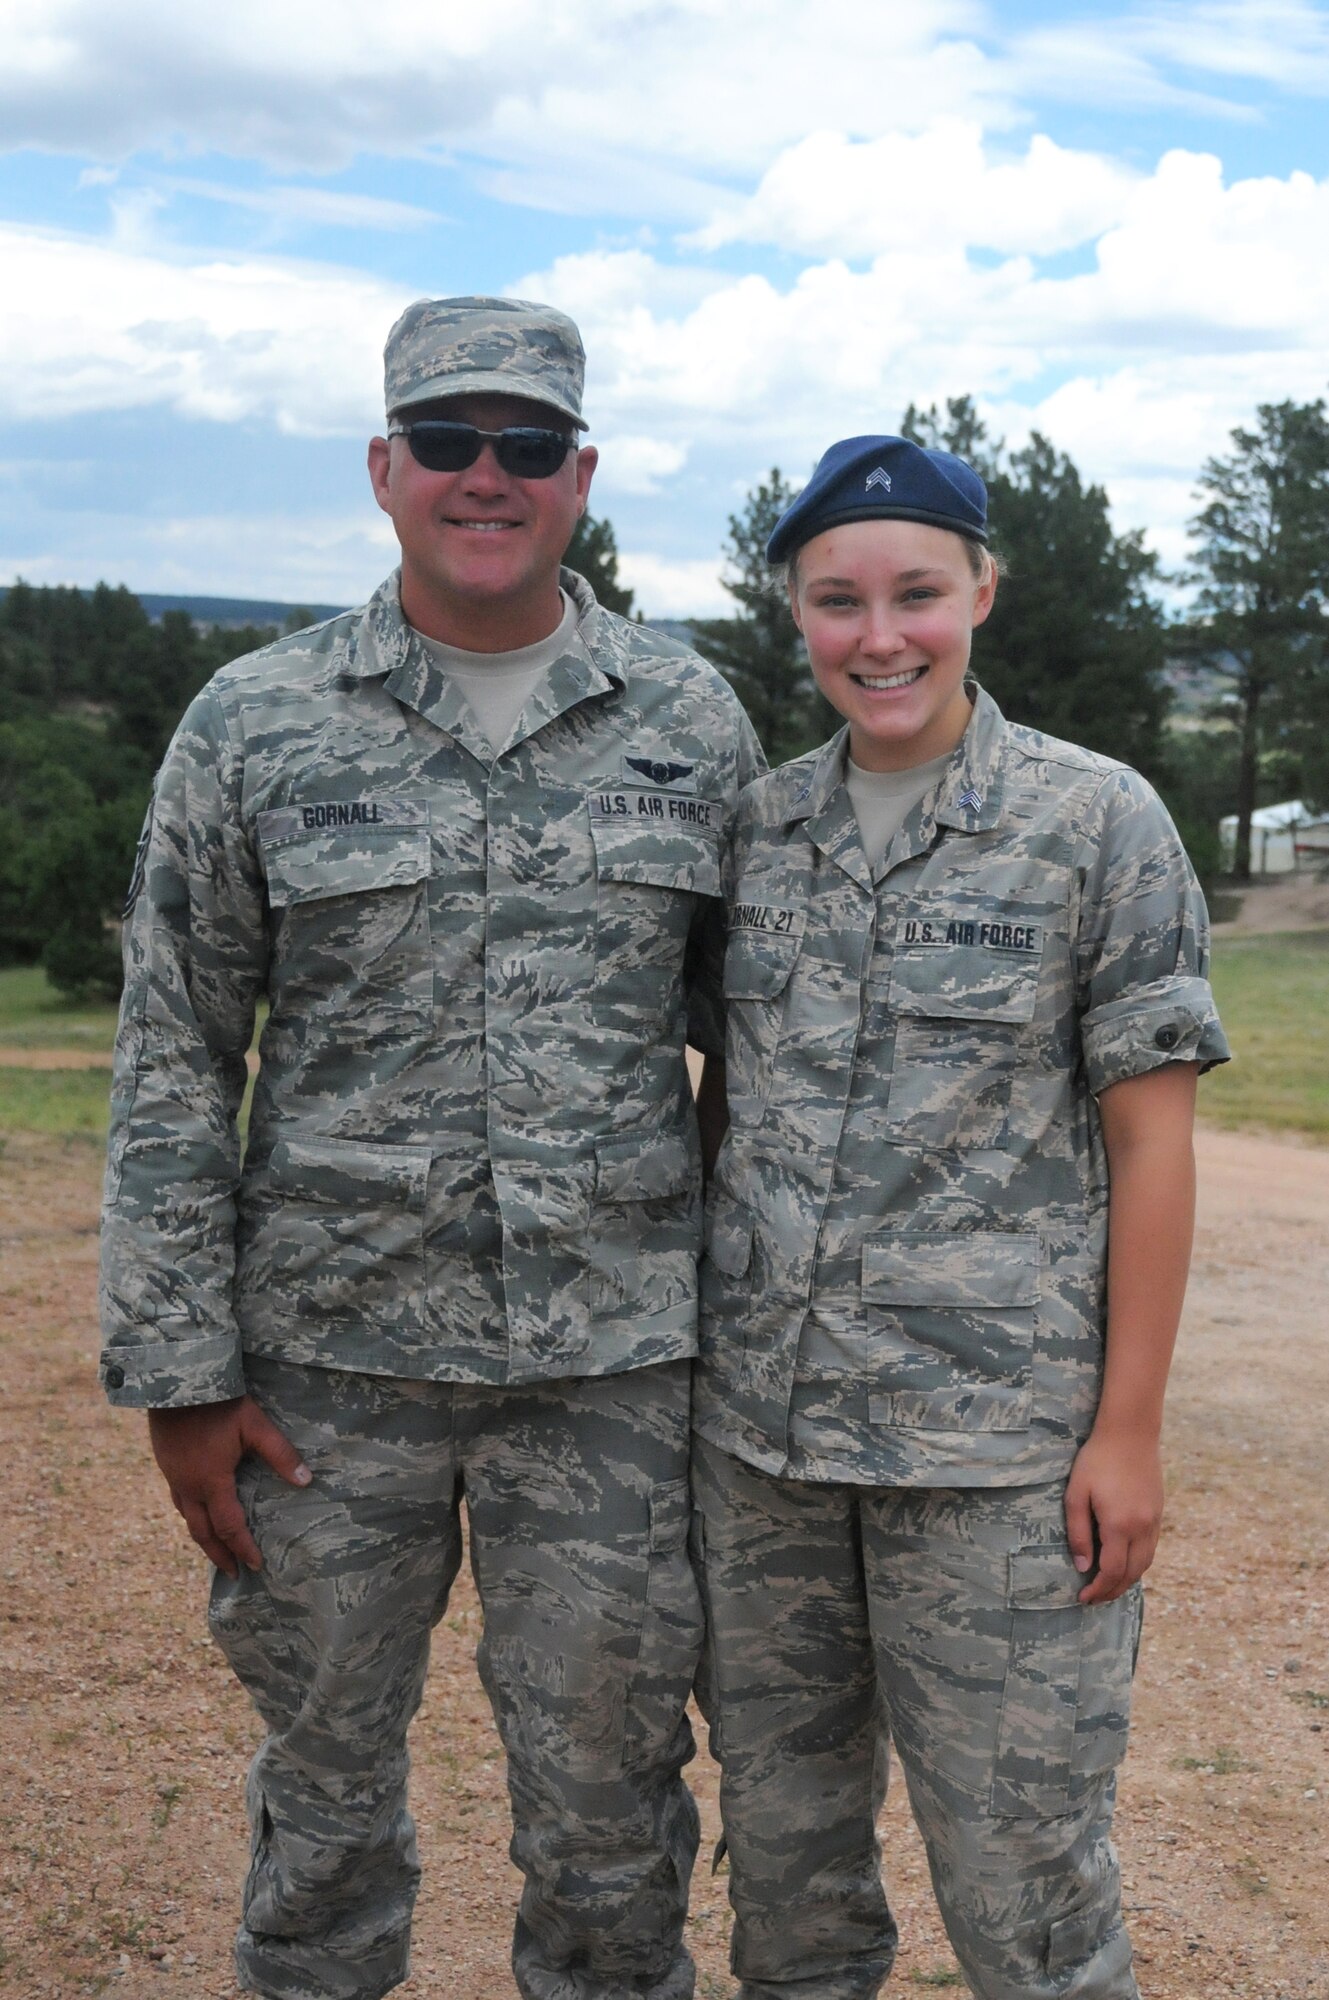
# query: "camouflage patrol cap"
[[506, 347]]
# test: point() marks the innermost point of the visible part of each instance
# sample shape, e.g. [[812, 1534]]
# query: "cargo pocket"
[[352, 909], [952, 1317], [244, 1621], [333, 1230], [757, 969], [671, 1636], [962, 1030], [645, 1224], [1065, 1706]]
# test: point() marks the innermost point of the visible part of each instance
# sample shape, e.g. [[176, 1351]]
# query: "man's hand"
[[198, 1449], [1114, 1511]]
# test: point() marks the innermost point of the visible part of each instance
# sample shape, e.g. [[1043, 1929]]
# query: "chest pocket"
[[350, 900], [757, 969], [655, 853], [963, 991]]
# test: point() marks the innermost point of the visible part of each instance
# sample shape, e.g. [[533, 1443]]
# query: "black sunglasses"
[[524, 452]]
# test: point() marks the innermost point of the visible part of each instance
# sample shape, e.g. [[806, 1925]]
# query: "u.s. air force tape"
[[658, 806], [979, 933]]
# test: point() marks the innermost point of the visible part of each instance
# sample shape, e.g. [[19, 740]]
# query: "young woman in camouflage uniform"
[[966, 983]]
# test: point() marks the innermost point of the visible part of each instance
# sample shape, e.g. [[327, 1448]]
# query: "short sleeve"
[[1142, 942]]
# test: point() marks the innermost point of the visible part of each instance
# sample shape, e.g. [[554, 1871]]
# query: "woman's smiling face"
[[887, 610]]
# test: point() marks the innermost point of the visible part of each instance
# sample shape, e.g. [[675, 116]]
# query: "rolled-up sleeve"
[[1142, 942]]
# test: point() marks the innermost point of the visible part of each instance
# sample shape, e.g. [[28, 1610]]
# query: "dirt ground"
[[1293, 902], [123, 1742]]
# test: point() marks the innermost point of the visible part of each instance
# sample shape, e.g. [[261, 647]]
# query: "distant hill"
[[224, 613], [229, 614], [676, 628]]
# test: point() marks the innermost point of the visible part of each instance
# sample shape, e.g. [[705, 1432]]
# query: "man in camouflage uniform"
[[457, 1257], [904, 1308]]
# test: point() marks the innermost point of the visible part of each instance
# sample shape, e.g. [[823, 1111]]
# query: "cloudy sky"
[[776, 222]]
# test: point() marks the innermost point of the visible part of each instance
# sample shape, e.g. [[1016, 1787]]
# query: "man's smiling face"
[[481, 548]]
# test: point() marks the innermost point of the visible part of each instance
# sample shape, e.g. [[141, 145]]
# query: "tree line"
[[1079, 644]]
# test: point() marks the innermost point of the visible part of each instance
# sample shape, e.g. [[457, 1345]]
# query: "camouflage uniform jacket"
[[907, 1229], [472, 1154]]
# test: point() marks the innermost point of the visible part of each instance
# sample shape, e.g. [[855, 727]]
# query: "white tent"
[[1275, 833]]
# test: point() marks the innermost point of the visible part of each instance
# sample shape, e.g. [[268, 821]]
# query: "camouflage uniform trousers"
[[843, 1617], [577, 1508]]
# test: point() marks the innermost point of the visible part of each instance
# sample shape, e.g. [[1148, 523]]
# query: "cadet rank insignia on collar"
[[991, 933], [661, 771]]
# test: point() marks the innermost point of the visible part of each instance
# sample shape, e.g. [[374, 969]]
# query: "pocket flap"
[[1045, 1579], [351, 1174], [960, 1268], [319, 850], [646, 1168], [757, 964]]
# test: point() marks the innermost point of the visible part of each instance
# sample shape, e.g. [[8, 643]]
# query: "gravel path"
[[122, 1741]]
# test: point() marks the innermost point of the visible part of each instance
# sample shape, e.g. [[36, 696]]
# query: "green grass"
[[33, 1015], [69, 1103], [1273, 995]]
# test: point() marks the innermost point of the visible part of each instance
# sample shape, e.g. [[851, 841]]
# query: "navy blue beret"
[[883, 478]]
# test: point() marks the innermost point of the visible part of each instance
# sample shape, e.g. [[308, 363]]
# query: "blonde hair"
[[984, 562]]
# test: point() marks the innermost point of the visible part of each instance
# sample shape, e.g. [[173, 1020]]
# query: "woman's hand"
[[1114, 1511]]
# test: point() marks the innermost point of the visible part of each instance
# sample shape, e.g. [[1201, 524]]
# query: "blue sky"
[[777, 223]]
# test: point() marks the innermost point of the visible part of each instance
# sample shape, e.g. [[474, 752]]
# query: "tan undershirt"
[[497, 685], [883, 800]]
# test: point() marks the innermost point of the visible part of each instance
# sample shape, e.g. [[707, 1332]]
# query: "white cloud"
[[305, 559], [325, 208], [585, 103], [635, 464], [830, 195], [673, 589], [1206, 298], [609, 106], [112, 326], [1284, 43]]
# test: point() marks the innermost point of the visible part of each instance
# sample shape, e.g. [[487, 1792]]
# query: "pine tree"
[[1262, 565], [1075, 644], [759, 651], [593, 553]]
